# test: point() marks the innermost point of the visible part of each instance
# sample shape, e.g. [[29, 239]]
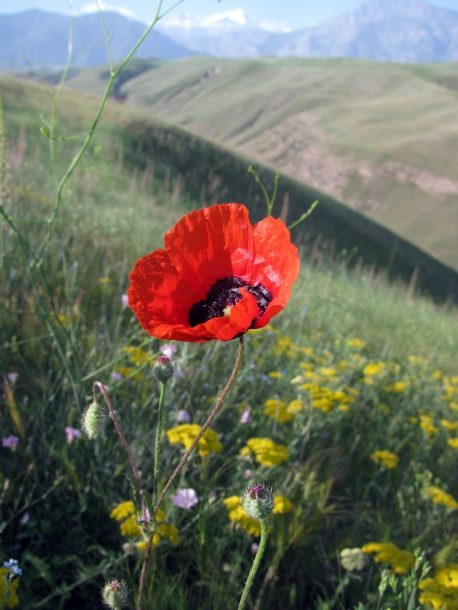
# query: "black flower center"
[[222, 295]]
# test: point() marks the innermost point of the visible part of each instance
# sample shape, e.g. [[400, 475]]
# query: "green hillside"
[[352, 389], [380, 136]]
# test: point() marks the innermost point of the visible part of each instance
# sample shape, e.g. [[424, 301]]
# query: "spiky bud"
[[163, 369], [258, 501], [93, 420], [115, 594]]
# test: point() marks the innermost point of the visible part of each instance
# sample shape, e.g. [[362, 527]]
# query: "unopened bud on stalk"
[[163, 369], [93, 420], [115, 594], [258, 501]]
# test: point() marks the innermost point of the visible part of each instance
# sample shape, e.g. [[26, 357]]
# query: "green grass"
[[63, 330], [355, 117]]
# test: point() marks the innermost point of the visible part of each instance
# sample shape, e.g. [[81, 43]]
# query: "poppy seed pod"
[[218, 276], [93, 420]]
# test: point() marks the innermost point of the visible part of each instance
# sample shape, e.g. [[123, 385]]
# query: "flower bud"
[[258, 501], [115, 594], [93, 420], [163, 369]]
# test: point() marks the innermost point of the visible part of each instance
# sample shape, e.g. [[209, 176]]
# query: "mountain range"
[[385, 30]]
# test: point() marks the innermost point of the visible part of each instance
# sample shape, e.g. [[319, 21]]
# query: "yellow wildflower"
[[356, 343], [373, 369], [137, 355], [130, 527], [441, 592], [385, 458], [415, 360], [453, 442], [439, 496], [277, 409], [104, 280], [454, 405], [295, 406], [282, 504], [123, 510], [186, 433], [8, 588], [237, 514], [275, 375], [437, 374], [450, 425], [268, 453], [428, 428], [387, 552]]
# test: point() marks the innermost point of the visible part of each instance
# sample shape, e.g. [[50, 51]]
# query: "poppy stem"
[[211, 417]]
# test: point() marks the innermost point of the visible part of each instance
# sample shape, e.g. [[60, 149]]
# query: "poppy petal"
[[158, 296], [212, 244], [276, 265]]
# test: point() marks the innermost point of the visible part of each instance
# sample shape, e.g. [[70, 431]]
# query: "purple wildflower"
[[185, 498]]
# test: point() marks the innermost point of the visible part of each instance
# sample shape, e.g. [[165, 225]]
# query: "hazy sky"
[[295, 14]]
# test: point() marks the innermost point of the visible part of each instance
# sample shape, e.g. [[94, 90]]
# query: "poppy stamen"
[[222, 296]]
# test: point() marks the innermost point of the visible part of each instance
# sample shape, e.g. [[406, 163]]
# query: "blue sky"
[[295, 14]]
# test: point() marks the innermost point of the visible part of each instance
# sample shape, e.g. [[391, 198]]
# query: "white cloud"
[[235, 17], [92, 8], [275, 26]]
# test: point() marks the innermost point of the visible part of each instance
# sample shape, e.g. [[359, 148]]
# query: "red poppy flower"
[[218, 276]]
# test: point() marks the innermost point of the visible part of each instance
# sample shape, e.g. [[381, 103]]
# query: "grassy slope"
[[112, 215], [119, 214], [380, 136]]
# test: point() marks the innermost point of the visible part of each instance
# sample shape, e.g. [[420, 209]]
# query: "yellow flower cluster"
[[138, 357], [373, 369], [237, 515], [326, 399], [252, 526], [385, 458], [439, 496], [441, 592], [279, 410], [125, 512], [186, 433], [426, 424], [268, 453], [8, 590], [387, 552]]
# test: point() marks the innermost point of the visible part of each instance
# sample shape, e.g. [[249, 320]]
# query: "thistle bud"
[[163, 369], [93, 420], [258, 501], [115, 594]]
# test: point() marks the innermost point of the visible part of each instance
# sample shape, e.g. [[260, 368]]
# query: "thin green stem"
[[157, 448], [114, 73], [101, 388], [211, 417], [304, 216], [256, 563]]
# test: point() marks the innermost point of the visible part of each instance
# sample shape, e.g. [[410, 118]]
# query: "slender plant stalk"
[[157, 447], [256, 563], [211, 417], [113, 74], [99, 386]]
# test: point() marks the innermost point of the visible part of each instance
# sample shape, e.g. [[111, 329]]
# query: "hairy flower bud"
[[163, 369], [93, 420], [258, 501], [115, 594]]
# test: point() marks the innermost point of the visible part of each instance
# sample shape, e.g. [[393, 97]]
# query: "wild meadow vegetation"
[[347, 403]]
